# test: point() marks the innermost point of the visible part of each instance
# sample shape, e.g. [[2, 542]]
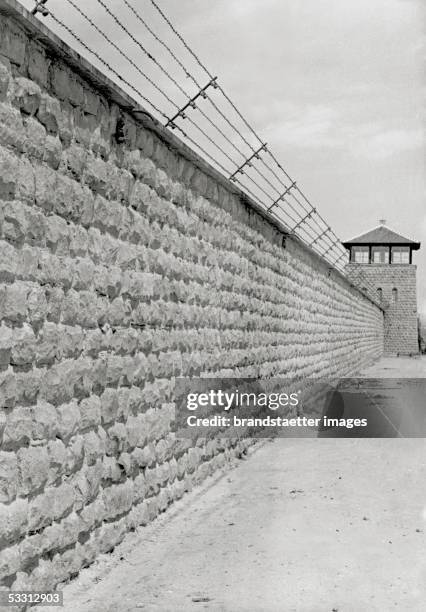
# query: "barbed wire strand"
[[104, 63], [214, 143], [185, 93], [188, 74], [139, 44], [161, 42], [117, 48], [186, 71], [246, 123], [134, 65], [299, 223]]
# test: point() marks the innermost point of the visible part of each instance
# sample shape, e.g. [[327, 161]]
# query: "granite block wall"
[[126, 262], [397, 286]]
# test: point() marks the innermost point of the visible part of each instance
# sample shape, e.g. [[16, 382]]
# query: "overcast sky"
[[336, 88]]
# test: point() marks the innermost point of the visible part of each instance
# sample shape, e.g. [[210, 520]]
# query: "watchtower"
[[386, 261]]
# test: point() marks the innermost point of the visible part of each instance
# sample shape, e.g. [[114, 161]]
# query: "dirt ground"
[[304, 525]]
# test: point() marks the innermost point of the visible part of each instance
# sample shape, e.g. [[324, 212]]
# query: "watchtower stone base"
[[397, 286]]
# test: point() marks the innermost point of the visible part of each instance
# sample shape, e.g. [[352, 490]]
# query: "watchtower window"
[[394, 294], [360, 254], [380, 255], [400, 255], [380, 293]]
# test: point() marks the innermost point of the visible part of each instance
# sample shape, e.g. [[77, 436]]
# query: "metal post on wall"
[[248, 162], [192, 103]]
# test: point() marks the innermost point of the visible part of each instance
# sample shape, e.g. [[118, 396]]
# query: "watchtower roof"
[[382, 235]]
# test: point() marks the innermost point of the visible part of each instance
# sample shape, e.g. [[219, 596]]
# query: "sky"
[[336, 88]]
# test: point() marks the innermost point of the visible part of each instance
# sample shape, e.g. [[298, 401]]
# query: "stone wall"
[[422, 332], [397, 283], [126, 261]]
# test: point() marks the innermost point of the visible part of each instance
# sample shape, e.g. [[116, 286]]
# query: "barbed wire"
[[105, 63], [120, 51], [161, 42], [183, 91], [246, 123], [285, 201]]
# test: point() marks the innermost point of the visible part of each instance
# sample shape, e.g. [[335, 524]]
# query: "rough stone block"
[[45, 423], [91, 102], [48, 113], [61, 499], [92, 514], [8, 261], [45, 187], [84, 126], [125, 462], [65, 85], [25, 191], [116, 441], [57, 459], [109, 535], [75, 455], [95, 176], [40, 512], [13, 521], [111, 470], [58, 383], [75, 158], [87, 484], [18, 428], [26, 95], [13, 43], [145, 141], [52, 151], [94, 447], [8, 174], [144, 457], [8, 477], [139, 488], [67, 199], [8, 389], [12, 133], [55, 299], [57, 235], [23, 351], [15, 222], [5, 77], [38, 64], [33, 464], [13, 302], [68, 418], [90, 412], [109, 405], [138, 515], [37, 305], [6, 344], [27, 386], [118, 499], [10, 561]]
